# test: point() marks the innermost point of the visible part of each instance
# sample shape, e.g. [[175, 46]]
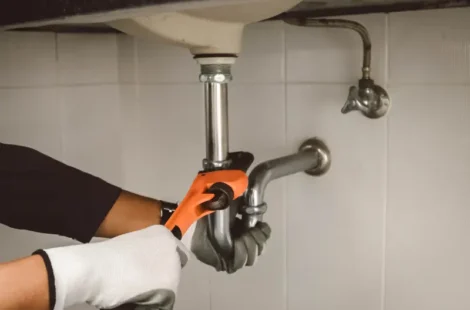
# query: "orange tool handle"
[[190, 209]]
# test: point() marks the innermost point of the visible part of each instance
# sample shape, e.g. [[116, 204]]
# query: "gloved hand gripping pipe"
[[368, 98]]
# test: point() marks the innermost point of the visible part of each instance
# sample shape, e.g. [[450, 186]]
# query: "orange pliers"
[[210, 192]]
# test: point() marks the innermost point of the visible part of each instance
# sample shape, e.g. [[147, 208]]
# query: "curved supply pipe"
[[345, 24], [368, 98], [313, 158]]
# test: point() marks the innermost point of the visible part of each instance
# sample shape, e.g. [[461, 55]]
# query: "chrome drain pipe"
[[216, 74]]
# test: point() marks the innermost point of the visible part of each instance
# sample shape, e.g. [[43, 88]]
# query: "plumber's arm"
[[129, 213], [41, 194], [24, 284]]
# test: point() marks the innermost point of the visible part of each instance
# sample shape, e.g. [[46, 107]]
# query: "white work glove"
[[247, 244], [141, 267]]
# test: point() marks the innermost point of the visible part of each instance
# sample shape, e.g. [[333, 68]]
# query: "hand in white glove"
[[141, 267]]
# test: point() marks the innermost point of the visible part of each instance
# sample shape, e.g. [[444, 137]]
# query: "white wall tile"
[[256, 119], [87, 58], [27, 59], [31, 117], [330, 55], [429, 47], [160, 62], [91, 130], [427, 213], [127, 59], [258, 126], [21, 243], [171, 137], [334, 222], [193, 291], [263, 49], [130, 133]]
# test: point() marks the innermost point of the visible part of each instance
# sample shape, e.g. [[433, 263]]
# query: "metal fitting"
[[215, 78], [215, 73], [255, 210], [368, 98], [214, 164], [313, 158], [323, 156]]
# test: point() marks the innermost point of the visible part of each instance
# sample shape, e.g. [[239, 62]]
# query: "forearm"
[[24, 284], [129, 213], [44, 195]]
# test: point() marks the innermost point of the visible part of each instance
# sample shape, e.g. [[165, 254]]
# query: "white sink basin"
[[214, 30]]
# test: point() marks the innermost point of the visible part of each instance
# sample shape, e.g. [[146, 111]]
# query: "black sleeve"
[[41, 194]]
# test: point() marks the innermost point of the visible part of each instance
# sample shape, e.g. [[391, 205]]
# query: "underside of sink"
[[93, 15], [216, 30]]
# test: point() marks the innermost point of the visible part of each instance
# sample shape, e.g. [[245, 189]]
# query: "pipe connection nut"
[[255, 210], [215, 78], [215, 73]]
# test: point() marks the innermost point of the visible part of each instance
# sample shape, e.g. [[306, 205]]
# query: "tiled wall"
[[386, 229]]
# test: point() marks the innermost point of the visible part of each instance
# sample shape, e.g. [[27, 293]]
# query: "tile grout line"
[[386, 177], [285, 183], [122, 123], [137, 94], [134, 104], [113, 83], [59, 98]]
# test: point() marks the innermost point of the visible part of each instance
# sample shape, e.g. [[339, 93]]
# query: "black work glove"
[[248, 244]]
